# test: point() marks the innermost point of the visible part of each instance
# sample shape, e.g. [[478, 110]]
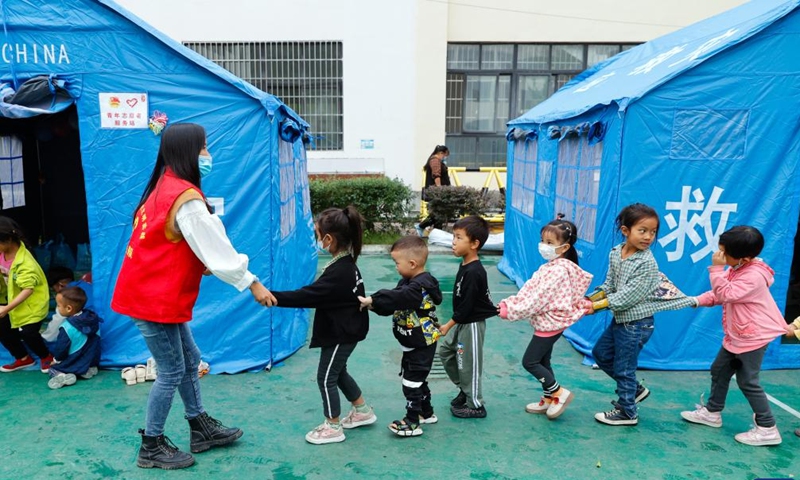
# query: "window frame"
[[452, 123], [300, 73]]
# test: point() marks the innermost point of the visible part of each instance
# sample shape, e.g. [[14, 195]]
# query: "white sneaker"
[[326, 433], [354, 419], [61, 380], [760, 436], [129, 375], [89, 373], [150, 370], [702, 416], [423, 420], [559, 403], [141, 372], [540, 407]]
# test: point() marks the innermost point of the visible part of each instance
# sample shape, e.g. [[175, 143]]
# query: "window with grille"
[[286, 168], [12, 184], [578, 182], [490, 84], [524, 175], [307, 76]]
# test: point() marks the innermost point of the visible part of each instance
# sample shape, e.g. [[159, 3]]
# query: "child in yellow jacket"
[[28, 300]]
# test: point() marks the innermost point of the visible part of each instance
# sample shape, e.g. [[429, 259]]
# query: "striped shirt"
[[632, 287]]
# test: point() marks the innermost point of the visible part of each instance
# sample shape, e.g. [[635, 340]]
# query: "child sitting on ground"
[[413, 302], [60, 278], [77, 347]]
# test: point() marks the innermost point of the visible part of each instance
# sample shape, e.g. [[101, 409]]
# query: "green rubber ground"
[[88, 431]]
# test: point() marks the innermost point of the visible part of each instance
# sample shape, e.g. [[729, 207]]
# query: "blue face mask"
[[204, 162], [321, 250]]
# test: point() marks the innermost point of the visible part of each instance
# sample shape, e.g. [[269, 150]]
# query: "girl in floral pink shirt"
[[553, 299]]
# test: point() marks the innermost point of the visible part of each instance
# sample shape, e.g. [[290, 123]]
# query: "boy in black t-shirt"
[[412, 304], [462, 350]]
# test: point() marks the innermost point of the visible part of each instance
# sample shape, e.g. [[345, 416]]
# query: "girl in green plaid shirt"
[[632, 290]]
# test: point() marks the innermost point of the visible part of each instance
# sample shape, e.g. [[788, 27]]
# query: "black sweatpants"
[[15, 339], [332, 374], [537, 361], [415, 367]]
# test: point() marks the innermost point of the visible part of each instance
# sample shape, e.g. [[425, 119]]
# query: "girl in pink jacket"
[[553, 300], [750, 321]]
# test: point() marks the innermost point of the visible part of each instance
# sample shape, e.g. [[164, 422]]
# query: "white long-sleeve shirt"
[[206, 236]]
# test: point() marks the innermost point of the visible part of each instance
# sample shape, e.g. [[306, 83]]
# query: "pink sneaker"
[[355, 419], [760, 436], [540, 407], [325, 433], [702, 416]]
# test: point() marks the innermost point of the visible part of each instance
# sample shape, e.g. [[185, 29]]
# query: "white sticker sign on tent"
[[123, 110]]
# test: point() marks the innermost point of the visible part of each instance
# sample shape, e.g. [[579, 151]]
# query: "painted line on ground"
[[783, 405]]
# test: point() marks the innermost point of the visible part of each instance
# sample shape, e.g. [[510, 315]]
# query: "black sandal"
[[405, 428]]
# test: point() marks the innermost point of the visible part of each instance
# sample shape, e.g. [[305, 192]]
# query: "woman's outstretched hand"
[[262, 295]]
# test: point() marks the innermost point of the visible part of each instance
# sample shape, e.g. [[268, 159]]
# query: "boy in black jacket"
[[462, 350], [413, 306]]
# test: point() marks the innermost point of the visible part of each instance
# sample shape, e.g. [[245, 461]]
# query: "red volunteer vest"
[[160, 277]]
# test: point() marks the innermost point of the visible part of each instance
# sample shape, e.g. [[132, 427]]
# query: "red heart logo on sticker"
[[131, 102]]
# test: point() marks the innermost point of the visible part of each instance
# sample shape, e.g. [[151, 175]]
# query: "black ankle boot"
[[208, 432], [160, 452]]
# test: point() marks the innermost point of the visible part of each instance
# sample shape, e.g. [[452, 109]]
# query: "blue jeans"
[[177, 357], [617, 354]]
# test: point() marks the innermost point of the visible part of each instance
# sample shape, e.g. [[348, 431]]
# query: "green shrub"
[[384, 203], [446, 204]]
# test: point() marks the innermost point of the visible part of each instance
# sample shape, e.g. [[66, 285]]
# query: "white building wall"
[[395, 54]]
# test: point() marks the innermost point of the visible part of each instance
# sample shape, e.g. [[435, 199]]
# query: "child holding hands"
[[462, 350], [750, 321], [553, 300], [339, 322], [413, 302]]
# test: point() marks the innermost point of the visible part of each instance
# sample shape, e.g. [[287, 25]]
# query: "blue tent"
[[117, 71], [701, 124]]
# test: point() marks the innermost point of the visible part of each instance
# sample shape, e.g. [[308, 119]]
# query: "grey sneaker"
[[355, 419], [61, 380], [89, 373]]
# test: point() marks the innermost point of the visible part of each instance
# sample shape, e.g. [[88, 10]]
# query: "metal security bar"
[[307, 76]]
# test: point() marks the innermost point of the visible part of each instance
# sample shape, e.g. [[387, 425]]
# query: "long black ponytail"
[[345, 225]]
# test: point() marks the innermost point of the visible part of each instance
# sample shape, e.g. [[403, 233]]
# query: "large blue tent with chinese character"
[[701, 124], [110, 72]]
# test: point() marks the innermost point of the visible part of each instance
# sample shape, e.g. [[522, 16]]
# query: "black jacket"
[[472, 301], [413, 306], [335, 296]]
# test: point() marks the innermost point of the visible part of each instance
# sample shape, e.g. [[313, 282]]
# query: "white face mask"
[[548, 252]]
